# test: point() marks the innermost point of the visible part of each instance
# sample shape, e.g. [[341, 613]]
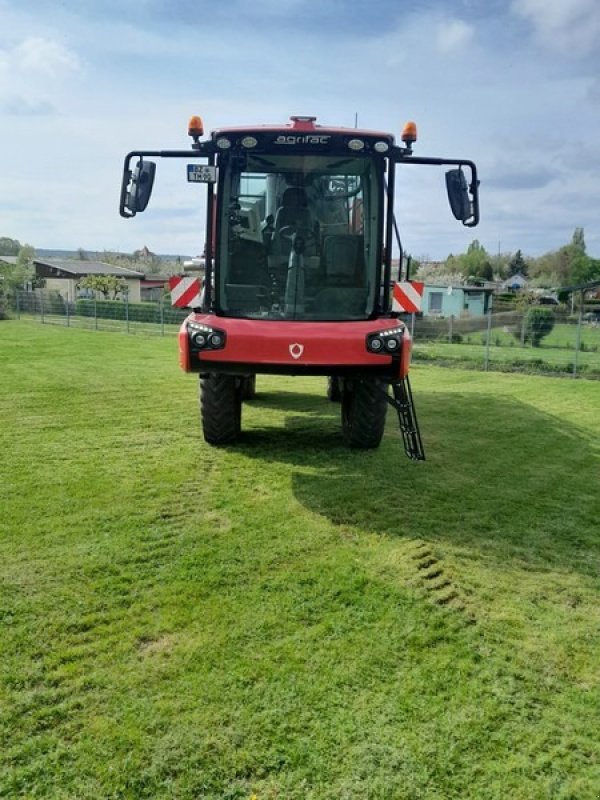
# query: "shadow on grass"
[[500, 477]]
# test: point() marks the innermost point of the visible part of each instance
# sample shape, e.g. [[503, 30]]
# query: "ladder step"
[[407, 417]]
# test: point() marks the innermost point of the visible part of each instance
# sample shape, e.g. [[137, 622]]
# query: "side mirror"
[[137, 188], [458, 195]]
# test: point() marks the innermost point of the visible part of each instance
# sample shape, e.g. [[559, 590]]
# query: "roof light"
[[249, 141], [409, 133], [223, 143], [381, 147], [356, 144], [195, 127]]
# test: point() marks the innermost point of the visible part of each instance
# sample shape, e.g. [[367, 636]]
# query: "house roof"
[[582, 287], [459, 287], [67, 268], [9, 259]]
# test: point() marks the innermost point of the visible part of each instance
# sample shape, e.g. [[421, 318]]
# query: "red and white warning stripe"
[[185, 291], [407, 296]]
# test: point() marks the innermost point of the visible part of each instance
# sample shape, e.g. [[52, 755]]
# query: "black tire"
[[220, 408], [249, 387], [334, 390], [364, 407]]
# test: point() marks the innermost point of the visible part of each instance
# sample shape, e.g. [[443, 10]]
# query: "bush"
[[539, 321]]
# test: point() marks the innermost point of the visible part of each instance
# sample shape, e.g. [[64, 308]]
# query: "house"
[[63, 276], [456, 301], [514, 283]]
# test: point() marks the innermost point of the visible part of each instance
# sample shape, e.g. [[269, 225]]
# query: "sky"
[[512, 84]]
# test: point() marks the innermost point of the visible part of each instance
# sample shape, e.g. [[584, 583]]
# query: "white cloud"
[[453, 35], [31, 72], [567, 26], [39, 55]]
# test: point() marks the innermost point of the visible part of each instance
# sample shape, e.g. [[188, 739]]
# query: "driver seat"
[[293, 212]]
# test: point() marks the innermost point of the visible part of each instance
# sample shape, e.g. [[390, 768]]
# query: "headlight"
[[356, 144], [203, 337], [385, 342]]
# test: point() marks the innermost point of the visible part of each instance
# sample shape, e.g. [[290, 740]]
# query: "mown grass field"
[[287, 618]]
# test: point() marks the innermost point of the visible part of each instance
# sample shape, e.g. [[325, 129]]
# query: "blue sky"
[[512, 84]]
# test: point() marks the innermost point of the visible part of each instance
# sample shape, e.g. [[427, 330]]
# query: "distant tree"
[[81, 254], [475, 263], [517, 265], [108, 285], [15, 276], [566, 266], [486, 271], [578, 240], [9, 247], [585, 269]]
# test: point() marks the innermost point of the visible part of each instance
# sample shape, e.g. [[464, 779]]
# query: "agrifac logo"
[[310, 138], [296, 350]]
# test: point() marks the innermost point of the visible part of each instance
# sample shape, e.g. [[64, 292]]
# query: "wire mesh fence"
[[50, 308], [569, 344]]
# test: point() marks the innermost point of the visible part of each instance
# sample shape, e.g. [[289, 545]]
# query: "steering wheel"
[[290, 232]]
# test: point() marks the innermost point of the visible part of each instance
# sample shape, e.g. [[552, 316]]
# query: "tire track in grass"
[[106, 611], [435, 579]]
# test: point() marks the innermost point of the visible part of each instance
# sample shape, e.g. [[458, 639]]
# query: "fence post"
[[67, 309], [127, 310], [578, 336], [18, 308], [162, 314], [450, 328], [42, 306], [486, 360], [523, 329], [95, 312]]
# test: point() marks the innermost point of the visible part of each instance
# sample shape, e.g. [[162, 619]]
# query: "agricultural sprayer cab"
[[298, 271]]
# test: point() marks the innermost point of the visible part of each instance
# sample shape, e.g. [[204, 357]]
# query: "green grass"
[[287, 617]]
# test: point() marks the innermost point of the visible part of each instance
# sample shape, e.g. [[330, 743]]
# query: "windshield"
[[299, 237]]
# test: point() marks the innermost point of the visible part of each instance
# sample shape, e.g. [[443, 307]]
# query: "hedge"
[[135, 312]]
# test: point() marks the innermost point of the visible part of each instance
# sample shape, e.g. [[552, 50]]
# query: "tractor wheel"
[[334, 391], [249, 387], [364, 407], [220, 408]]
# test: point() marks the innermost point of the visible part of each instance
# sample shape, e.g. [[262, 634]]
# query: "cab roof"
[[304, 125]]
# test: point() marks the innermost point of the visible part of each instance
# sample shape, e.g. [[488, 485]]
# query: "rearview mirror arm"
[[205, 150], [400, 157]]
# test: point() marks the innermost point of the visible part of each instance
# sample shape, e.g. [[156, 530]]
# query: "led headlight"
[[381, 147], [223, 143], [385, 342], [203, 337], [249, 141]]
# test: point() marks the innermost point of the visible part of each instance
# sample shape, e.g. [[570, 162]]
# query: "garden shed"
[[456, 301]]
